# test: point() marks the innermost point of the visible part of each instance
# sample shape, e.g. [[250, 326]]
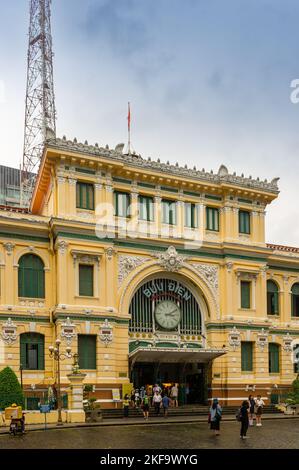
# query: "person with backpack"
[[145, 406], [259, 403], [244, 419], [215, 416]]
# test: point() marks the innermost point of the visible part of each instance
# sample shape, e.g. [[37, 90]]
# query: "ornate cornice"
[[222, 176]]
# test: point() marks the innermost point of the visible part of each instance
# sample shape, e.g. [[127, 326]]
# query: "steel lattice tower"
[[40, 114]]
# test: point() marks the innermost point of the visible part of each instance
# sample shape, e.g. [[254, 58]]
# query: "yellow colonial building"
[[152, 273]]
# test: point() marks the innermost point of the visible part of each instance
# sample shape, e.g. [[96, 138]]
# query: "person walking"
[[133, 398], [145, 406], [244, 411], [215, 416], [126, 404], [259, 404], [137, 398], [157, 399], [165, 403], [251, 401], [174, 395]]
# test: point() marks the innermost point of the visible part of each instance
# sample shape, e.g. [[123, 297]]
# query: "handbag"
[[209, 418]]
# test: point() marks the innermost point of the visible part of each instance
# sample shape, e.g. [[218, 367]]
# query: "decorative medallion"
[[9, 332], [68, 331], [110, 252], [170, 260], [9, 247], [106, 333], [262, 339], [287, 343], [234, 338]]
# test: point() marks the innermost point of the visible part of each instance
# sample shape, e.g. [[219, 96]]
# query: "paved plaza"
[[278, 433]]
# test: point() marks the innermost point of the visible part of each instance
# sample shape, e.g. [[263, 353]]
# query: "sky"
[[209, 83]]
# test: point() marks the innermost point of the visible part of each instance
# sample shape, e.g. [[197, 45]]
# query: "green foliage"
[[10, 389], [293, 397]]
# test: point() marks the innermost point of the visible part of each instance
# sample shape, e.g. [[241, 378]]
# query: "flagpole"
[[129, 129]]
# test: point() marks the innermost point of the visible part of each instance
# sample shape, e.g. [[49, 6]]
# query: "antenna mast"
[[40, 114]]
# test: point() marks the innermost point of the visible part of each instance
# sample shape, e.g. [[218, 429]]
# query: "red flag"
[[129, 117]]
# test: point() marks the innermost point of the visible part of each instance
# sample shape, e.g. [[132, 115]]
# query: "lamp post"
[[58, 356], [21, 373]]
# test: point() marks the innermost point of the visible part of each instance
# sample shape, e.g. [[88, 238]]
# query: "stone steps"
[[189, 410]]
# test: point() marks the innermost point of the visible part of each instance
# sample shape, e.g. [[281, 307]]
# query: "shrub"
[[10, 389]]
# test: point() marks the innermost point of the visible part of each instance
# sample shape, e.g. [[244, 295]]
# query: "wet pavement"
[[278, 433]]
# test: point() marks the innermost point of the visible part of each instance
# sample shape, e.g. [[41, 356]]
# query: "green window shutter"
[[121, 204], [86, 280], [245, 294], [165, 214], [295, 300], [190, 215], [146, 209], [87, 351], [31, 277], [274, 358], [246, 356], [85, 196], [41, 355], [23, 358], [272, 298], [168, 212], [212, 219], [32, 351], [244, 222]]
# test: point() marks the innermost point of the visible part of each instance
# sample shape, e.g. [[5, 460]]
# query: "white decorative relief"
[[9, 332], [68, 331], [211, 273], [106, 333], [170, 260], [126, 264]]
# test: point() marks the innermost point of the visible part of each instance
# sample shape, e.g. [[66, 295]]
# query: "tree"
[[293, 397], [10, 389]]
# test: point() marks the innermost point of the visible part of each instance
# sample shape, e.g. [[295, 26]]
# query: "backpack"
[[239, 415]]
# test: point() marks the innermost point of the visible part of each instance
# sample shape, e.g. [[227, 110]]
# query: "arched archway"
[[167, 337]]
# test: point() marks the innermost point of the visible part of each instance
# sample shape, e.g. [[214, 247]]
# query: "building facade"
[[152, 273]]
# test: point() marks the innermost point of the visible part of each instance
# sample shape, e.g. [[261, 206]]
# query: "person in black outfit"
[[244, 419], [251, 401]]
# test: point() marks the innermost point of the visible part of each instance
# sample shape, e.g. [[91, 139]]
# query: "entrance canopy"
[[174, 355]]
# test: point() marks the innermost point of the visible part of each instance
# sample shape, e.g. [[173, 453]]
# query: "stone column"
[[158, 216], [76, 412], [72, 202]]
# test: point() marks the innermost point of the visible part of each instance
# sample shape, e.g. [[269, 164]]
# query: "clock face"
[[167, 314]]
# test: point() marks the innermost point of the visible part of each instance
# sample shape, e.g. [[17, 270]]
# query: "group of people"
[[148, 396], [250, 409]]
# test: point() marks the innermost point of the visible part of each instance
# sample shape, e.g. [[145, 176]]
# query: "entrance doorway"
[[190, 377]]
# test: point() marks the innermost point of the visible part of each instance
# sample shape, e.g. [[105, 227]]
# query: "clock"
[[167, 314]]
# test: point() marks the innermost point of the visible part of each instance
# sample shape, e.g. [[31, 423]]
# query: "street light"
[[58, 356]]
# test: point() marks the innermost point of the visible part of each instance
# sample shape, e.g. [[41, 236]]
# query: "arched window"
[[272, 298], [31, 277], [295, 300], [32, 351], [274, 362]]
